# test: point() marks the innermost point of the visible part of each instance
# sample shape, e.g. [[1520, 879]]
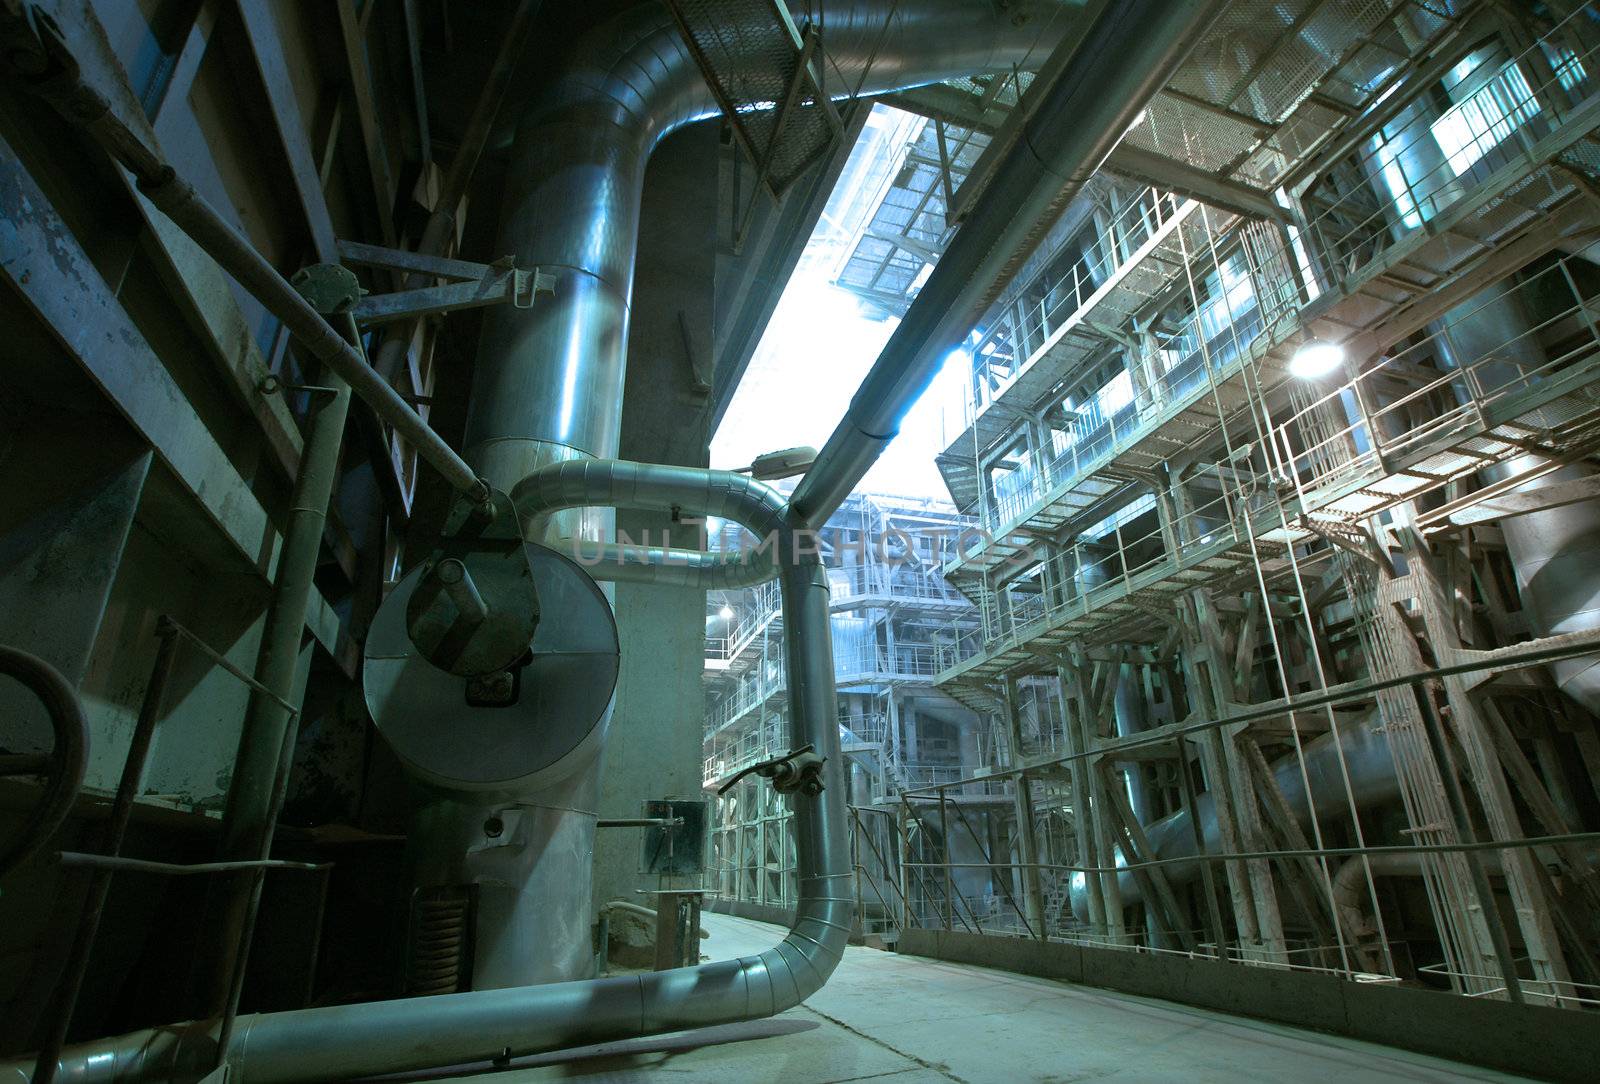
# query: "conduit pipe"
[[396, 1036], [698, 569], [1129, 54], [1373, 782], [548, 382]]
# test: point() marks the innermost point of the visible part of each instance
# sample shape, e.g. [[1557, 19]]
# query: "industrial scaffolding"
[[892, 612], [1184, 532]]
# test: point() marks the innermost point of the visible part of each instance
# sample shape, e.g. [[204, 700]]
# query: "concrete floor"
[[906, 1020]]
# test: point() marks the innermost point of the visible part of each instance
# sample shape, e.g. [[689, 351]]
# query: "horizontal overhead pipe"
[[339, 1042], [1127, 56], [702, 570]]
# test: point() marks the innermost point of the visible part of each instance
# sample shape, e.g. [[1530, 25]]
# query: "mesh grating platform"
[[763, 75]]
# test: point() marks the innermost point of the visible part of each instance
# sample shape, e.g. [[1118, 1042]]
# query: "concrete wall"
[[1557, 1044], [654, 751]]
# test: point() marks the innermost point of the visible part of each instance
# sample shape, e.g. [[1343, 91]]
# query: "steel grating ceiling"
[[750, 54], [910, 222]]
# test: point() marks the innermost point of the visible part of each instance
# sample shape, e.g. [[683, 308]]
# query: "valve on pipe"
[[799, 770]]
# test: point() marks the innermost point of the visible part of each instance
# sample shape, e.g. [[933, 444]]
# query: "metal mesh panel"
[[1190, 133], [1264, 56], [1262, 90], [912, 209], [749, 54]]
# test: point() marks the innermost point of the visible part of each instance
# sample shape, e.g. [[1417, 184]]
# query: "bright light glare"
[[726, 613], [1316, 359]]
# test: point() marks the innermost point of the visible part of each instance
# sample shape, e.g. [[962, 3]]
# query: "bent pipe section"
[[554, 374], [396, 1036], [1373, 782], [70, 756]]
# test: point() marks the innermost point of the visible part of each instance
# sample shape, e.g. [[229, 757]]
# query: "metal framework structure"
[[891, 611], [911, 217], [1177, 530]]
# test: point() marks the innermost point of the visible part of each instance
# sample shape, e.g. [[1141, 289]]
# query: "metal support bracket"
[[470, 285]]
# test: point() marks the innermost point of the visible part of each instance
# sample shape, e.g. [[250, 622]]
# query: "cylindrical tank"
[[506, 793]]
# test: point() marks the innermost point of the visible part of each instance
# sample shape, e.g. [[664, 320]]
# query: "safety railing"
[[1111, 561], [1405, 411], [755, 610], [1498, 108], [1173, 367], [1061, 291], [893, 579], [970, 881]]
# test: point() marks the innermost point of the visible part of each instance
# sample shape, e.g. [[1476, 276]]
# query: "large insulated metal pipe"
[[340, 1042], [1373, 782], [1130, 53], [548, 382], [701, 570]]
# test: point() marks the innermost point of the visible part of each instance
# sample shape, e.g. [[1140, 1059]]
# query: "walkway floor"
[[907, 1020]]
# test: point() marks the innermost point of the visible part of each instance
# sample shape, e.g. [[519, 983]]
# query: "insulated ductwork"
[[548, 383], [701, 570], [549, 380], [548, 391], [1372, 783]]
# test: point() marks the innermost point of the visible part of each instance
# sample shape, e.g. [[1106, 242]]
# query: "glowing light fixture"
[[726, 613], [1316, 358]]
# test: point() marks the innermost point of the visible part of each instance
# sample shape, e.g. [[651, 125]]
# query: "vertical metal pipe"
[[1207, 876], [249, 817], [1465, 832], [944, 841], [1027, 840]]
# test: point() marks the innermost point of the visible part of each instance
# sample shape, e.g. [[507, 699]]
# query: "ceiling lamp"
[[726, 613], [1316, 359]]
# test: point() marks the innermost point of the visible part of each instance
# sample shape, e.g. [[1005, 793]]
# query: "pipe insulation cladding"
[[1359, 742], [548, 383], [548, 387], [338, 1042], [548, 390]]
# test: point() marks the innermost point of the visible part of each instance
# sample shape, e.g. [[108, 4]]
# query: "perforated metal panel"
[[749, 52]]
